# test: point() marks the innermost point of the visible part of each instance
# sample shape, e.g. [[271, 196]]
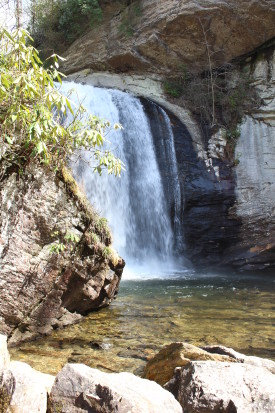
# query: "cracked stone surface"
[[41, 290], [209, 386], [167, 34]]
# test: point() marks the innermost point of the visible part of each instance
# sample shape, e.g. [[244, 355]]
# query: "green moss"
[[73, 188], [173, 88], [97, 226]]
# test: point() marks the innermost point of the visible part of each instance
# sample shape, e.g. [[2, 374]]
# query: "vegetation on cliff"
[[54, 28], [218, 98], [33, 113]]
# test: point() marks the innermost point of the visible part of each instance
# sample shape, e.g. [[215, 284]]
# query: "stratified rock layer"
[[161, 36], [40, 289], [255, 190]]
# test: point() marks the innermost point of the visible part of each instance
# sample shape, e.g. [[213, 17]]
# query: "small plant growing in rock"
[[71, 237], [69, 240], [95, 239], [101, 227], [173, 88], [57, 248], [107, 253]]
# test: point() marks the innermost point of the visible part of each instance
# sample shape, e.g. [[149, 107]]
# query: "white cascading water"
[[134, 204], [166, 142]]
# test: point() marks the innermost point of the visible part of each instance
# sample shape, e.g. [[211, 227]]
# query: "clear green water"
[[232, 311]]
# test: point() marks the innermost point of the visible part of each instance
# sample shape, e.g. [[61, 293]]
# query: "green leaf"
[[9, 140], [39, 147]]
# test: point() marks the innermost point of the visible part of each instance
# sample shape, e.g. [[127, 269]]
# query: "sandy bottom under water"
[[201, 309]]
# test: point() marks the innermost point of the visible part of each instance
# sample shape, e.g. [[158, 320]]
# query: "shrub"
[[55, 27]]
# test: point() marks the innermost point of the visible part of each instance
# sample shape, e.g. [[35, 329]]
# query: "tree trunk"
[[18, 13]]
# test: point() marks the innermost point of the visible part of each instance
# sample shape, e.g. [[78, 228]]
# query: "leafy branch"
[[32, 112]]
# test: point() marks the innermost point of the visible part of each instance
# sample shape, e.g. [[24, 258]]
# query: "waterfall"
[[134, 204], [166, 156]]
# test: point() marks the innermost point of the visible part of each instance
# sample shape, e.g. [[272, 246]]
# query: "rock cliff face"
[[255, 186], [227, 208], [40, 289], [160, 36], [228, 211]]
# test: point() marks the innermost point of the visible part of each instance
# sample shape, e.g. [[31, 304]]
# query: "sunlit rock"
[[161, 367], [30, 389], [40, 289], [78, 388], [209, 386], [4, 354], [167, 35]]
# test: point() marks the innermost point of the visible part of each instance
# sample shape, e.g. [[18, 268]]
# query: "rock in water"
[[40, 289], [161, 367], [79, 388], [209, 386]]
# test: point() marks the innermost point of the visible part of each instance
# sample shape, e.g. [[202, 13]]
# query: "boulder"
[[79, 388], [30, 390], [241, 358], [42, 289], [161, 367], [209, 386], [7, 385], [4, 354], [22, 389]]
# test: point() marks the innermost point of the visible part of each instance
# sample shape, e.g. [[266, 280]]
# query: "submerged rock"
[[79, 388], [42, 287]]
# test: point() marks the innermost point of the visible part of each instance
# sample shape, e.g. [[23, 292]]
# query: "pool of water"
[[201, 309]]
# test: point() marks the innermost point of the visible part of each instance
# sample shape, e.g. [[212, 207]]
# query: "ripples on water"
[[236, 312]]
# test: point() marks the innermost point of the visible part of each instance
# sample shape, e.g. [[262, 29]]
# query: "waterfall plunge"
[[134, 204]]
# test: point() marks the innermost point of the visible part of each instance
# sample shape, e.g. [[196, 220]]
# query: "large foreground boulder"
[[22, 389], [79, 388], [209, 386], [4, 354], [214, 379], [31, 389]]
